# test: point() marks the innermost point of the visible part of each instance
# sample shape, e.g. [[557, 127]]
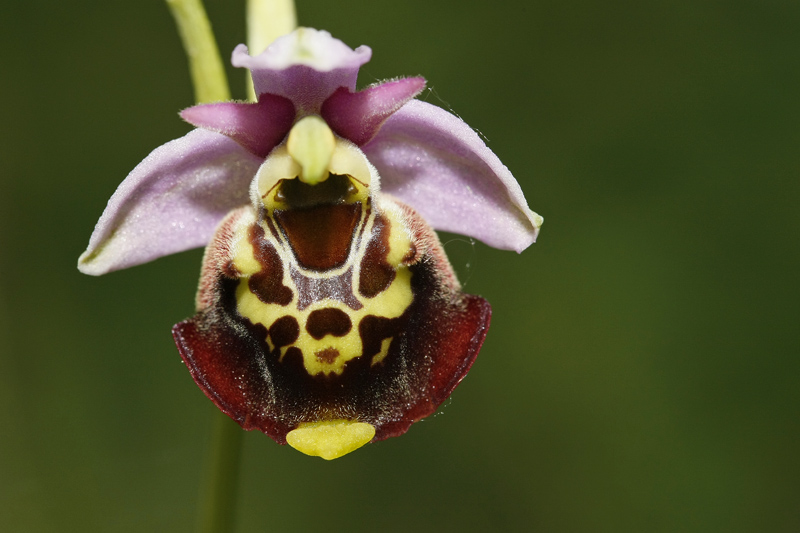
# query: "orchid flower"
[[328, 315]]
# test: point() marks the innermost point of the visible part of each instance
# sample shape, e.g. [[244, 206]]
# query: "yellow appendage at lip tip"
[[330, 439]]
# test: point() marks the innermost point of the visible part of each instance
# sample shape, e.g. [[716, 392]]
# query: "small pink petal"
[[358, 116], [171, 202], [258, 127], [435, 162]]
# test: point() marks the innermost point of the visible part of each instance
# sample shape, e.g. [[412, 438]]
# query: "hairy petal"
[[359, 116], [306, 66], [171, 202], [258, 127], [436, 163]]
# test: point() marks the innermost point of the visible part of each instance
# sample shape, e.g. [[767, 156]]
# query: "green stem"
[[218, 499], [205, 65], [266, 21]]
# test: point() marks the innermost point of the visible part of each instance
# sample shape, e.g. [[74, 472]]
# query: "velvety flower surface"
[[326, 304]]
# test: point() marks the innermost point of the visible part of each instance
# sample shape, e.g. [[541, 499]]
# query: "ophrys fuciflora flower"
[[328, 315]]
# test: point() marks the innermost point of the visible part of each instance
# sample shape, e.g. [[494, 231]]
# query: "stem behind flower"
[[266, 21], [205, 65], [218, 499]]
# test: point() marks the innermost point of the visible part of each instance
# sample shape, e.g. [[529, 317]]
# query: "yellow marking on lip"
[[399, 240], [348, 346], [330, 439], [390, 303], [380, 356], [243, 255]]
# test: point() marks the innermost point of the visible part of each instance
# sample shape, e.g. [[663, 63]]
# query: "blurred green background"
[[642, 370]]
